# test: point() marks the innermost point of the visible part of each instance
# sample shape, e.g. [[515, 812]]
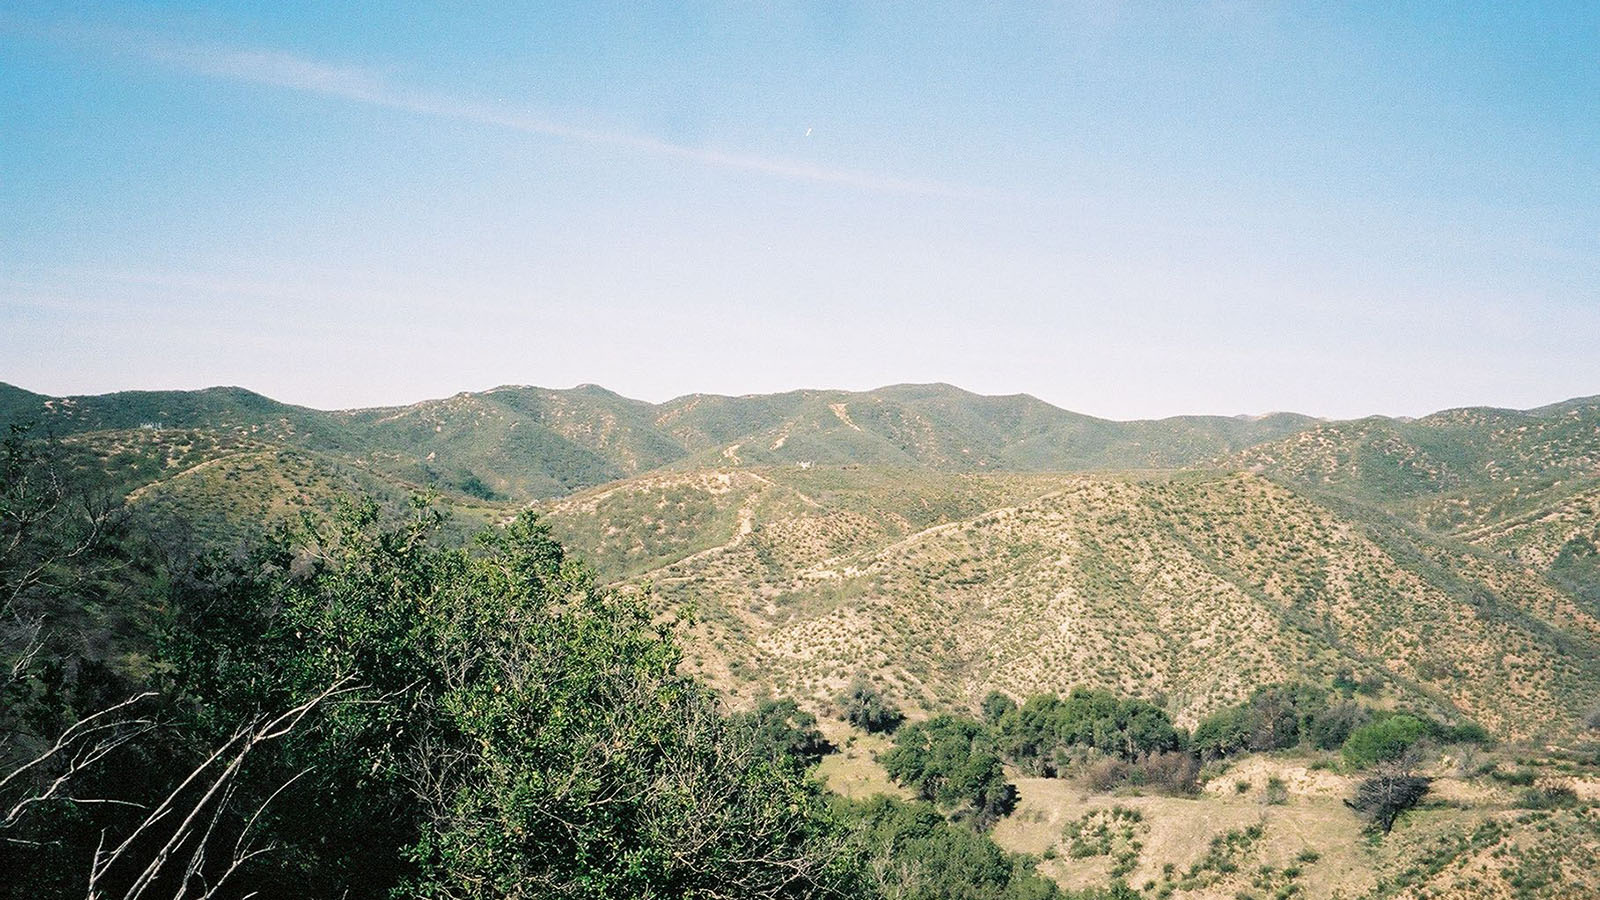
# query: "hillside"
[[1524, 485], [948, 429], [940, 541], [1453, 469], [943, 545], [1192, 588], [525, 443]]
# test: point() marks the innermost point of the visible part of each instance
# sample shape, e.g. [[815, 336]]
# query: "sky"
[[1126, 209]]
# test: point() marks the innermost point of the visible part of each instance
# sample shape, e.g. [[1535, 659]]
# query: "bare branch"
[[215, 796], [82, 744]]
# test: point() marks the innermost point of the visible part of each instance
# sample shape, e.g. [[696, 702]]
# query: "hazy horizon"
[[1123, 211], [795, 390]]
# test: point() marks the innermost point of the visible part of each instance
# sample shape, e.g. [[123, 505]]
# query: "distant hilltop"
[[532, 442]]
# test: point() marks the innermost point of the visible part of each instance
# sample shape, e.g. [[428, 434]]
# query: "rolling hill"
[[946, 543], [531, 443], [1191, 588]]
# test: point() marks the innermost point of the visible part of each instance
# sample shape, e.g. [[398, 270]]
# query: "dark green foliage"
[[474, 486], [866, 708], [73, 622], [1344, 681], [75, 643], [448, 723], [1224, 731], [1330, 727], [553, 741], [784, 731], [996, 705], [915, 854], [1274, 718], [1383, 797], [951, 761], [1387, 740], [1039, 735], [1514, 777], [1461, 733]]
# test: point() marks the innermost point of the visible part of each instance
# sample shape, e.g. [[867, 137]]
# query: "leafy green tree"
[[1038, 734], [517, 731], [62, 608], [1387, 740], [786, 732], [913, 853], [1276, 717], [996, 706], [78, 741], [951, 761], [1223, 732]]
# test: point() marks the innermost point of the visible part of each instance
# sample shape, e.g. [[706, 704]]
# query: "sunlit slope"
[[217, 487], [1453, 470], [1194, 587], [517, 441], [1521, 485], [941, 427], [789, 517]]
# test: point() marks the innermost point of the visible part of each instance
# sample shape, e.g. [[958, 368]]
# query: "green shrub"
[[1554, 796], [951, 761], [1037, 735], [913, 852], [784, 731], [562, 746], [996, 705], [1514, 777], [1274, 718], [866, 708], [1383, 741]]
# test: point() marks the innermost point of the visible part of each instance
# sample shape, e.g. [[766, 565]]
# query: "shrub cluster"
[[951, 761], [1280, 717], [915, 853], [865, 707], [353, 709], [1047, 733]]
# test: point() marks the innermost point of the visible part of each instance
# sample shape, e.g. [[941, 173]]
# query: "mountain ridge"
[[524, 443], [950, 543]]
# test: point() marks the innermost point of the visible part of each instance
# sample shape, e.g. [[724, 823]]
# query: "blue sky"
[[1125, 209]]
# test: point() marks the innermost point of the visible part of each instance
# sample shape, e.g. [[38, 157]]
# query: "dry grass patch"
[[853, 770]]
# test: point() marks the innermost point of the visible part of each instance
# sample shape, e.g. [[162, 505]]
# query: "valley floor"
[[1237, 839]]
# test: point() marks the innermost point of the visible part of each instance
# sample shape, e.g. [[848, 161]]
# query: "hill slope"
[[527, 442], [937, 540], [1194, 588]]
